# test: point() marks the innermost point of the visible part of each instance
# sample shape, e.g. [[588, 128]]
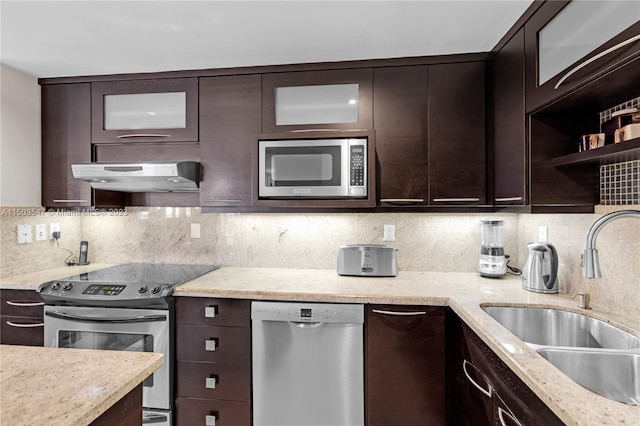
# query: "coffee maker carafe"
[[492, 261], [540, 272]]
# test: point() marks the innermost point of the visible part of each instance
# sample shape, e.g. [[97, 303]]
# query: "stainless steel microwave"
[[313, 168]]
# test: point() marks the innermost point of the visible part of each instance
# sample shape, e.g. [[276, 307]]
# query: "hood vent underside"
[[165, 176]]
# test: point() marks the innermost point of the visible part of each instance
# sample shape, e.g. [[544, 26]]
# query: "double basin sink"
[[594, 354]]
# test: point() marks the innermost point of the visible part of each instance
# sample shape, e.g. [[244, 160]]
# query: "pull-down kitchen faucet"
[[590, 263]]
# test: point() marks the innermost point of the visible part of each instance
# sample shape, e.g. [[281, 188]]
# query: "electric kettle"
[[540, 271]]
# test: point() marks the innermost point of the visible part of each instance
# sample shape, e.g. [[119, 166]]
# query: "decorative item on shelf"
[[591, 141], [618, 120], [628, 132]]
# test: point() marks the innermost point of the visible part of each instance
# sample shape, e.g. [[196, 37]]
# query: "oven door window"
[[303, 166], [107, 341]]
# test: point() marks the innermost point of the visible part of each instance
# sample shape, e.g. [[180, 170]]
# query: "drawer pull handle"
[[512, 419], [223, 200], [451, 200], [595, 58], [503, 199], [210, 345], [210, 382], [378, 311], [25, 325], [487, 391], [143, 135], [70, 201], [210, 311], [24, 304], [402, 201], [210, 419]]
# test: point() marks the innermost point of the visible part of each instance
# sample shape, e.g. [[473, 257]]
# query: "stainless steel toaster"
[[369, 260]]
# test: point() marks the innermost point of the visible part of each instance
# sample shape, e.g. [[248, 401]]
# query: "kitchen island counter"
[[54, 386]]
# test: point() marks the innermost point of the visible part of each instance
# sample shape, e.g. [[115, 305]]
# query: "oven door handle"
[[110, 320]]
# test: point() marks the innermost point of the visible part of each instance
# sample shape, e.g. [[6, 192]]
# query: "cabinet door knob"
[[210, 419], [210, 345], [210, 311], [210, 382]]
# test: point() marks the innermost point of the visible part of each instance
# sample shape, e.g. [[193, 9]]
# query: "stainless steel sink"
[[594, 354], [554, 327], [614, 375]]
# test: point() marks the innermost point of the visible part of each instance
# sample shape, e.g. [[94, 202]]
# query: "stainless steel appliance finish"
[[168, 176], [540, 271], [313, 168], [124, 308], [367, 260], [307, 364], [492, 262]]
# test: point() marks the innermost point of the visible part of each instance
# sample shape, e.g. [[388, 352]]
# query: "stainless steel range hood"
[[165, 176]]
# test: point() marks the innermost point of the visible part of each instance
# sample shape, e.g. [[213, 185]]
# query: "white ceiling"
[[72, 38]]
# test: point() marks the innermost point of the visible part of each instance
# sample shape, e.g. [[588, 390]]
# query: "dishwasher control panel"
[[307, 312]]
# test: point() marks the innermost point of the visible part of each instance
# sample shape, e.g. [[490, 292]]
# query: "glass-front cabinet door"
[[570, 44], [145, 111], [317, 100]]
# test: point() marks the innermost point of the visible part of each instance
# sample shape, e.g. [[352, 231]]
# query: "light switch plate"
[[389, 233]]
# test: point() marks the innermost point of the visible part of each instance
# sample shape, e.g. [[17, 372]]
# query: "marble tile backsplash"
[[431, 242]]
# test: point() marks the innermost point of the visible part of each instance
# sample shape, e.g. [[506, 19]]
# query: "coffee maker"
[[493, 262]]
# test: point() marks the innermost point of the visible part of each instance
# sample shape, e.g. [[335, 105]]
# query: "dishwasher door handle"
[[301, 324]]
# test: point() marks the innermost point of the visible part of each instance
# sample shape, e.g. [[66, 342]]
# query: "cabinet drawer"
[[27, 331], [213, 343], [214, 380], [195, 310], [201, 412], [22, 303]]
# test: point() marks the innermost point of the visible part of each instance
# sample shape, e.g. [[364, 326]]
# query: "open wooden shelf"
[[616, 153]]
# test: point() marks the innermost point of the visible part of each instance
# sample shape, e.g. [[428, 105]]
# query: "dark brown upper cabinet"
[[317, 100], [457, 134], [66, 139], [230, 122], [509, 148], [158, 110], [559, 29], [400, 105]]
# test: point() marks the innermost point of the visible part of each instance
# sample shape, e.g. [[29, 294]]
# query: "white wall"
[[20, 162]]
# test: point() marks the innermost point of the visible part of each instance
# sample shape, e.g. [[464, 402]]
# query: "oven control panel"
[[77, 292]]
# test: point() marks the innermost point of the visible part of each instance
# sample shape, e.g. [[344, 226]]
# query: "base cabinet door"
[[483, 389], [405, 365]]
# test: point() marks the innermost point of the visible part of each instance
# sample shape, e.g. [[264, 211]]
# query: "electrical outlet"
[[53, 227], [195, 230], [543, 234], [389, 233], [41, 232], [24, 234]]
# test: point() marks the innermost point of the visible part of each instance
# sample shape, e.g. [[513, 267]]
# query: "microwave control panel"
[[357, 165]]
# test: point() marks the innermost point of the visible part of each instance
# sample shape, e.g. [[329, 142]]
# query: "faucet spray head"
[[591, 264]]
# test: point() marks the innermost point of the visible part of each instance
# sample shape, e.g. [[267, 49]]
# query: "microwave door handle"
[[109, 320]]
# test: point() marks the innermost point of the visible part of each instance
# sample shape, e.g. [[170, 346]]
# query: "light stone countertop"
[[462, 291], [55, 386]]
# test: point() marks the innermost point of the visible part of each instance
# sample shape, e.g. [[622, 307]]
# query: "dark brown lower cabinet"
[[22, 318], [482, 388], [126, 412], [405, 365], [213, 368]]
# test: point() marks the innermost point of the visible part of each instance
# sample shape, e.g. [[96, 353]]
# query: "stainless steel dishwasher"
[[308, 365]]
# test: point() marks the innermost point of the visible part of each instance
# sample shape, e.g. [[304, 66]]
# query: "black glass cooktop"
[[144, 273]]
